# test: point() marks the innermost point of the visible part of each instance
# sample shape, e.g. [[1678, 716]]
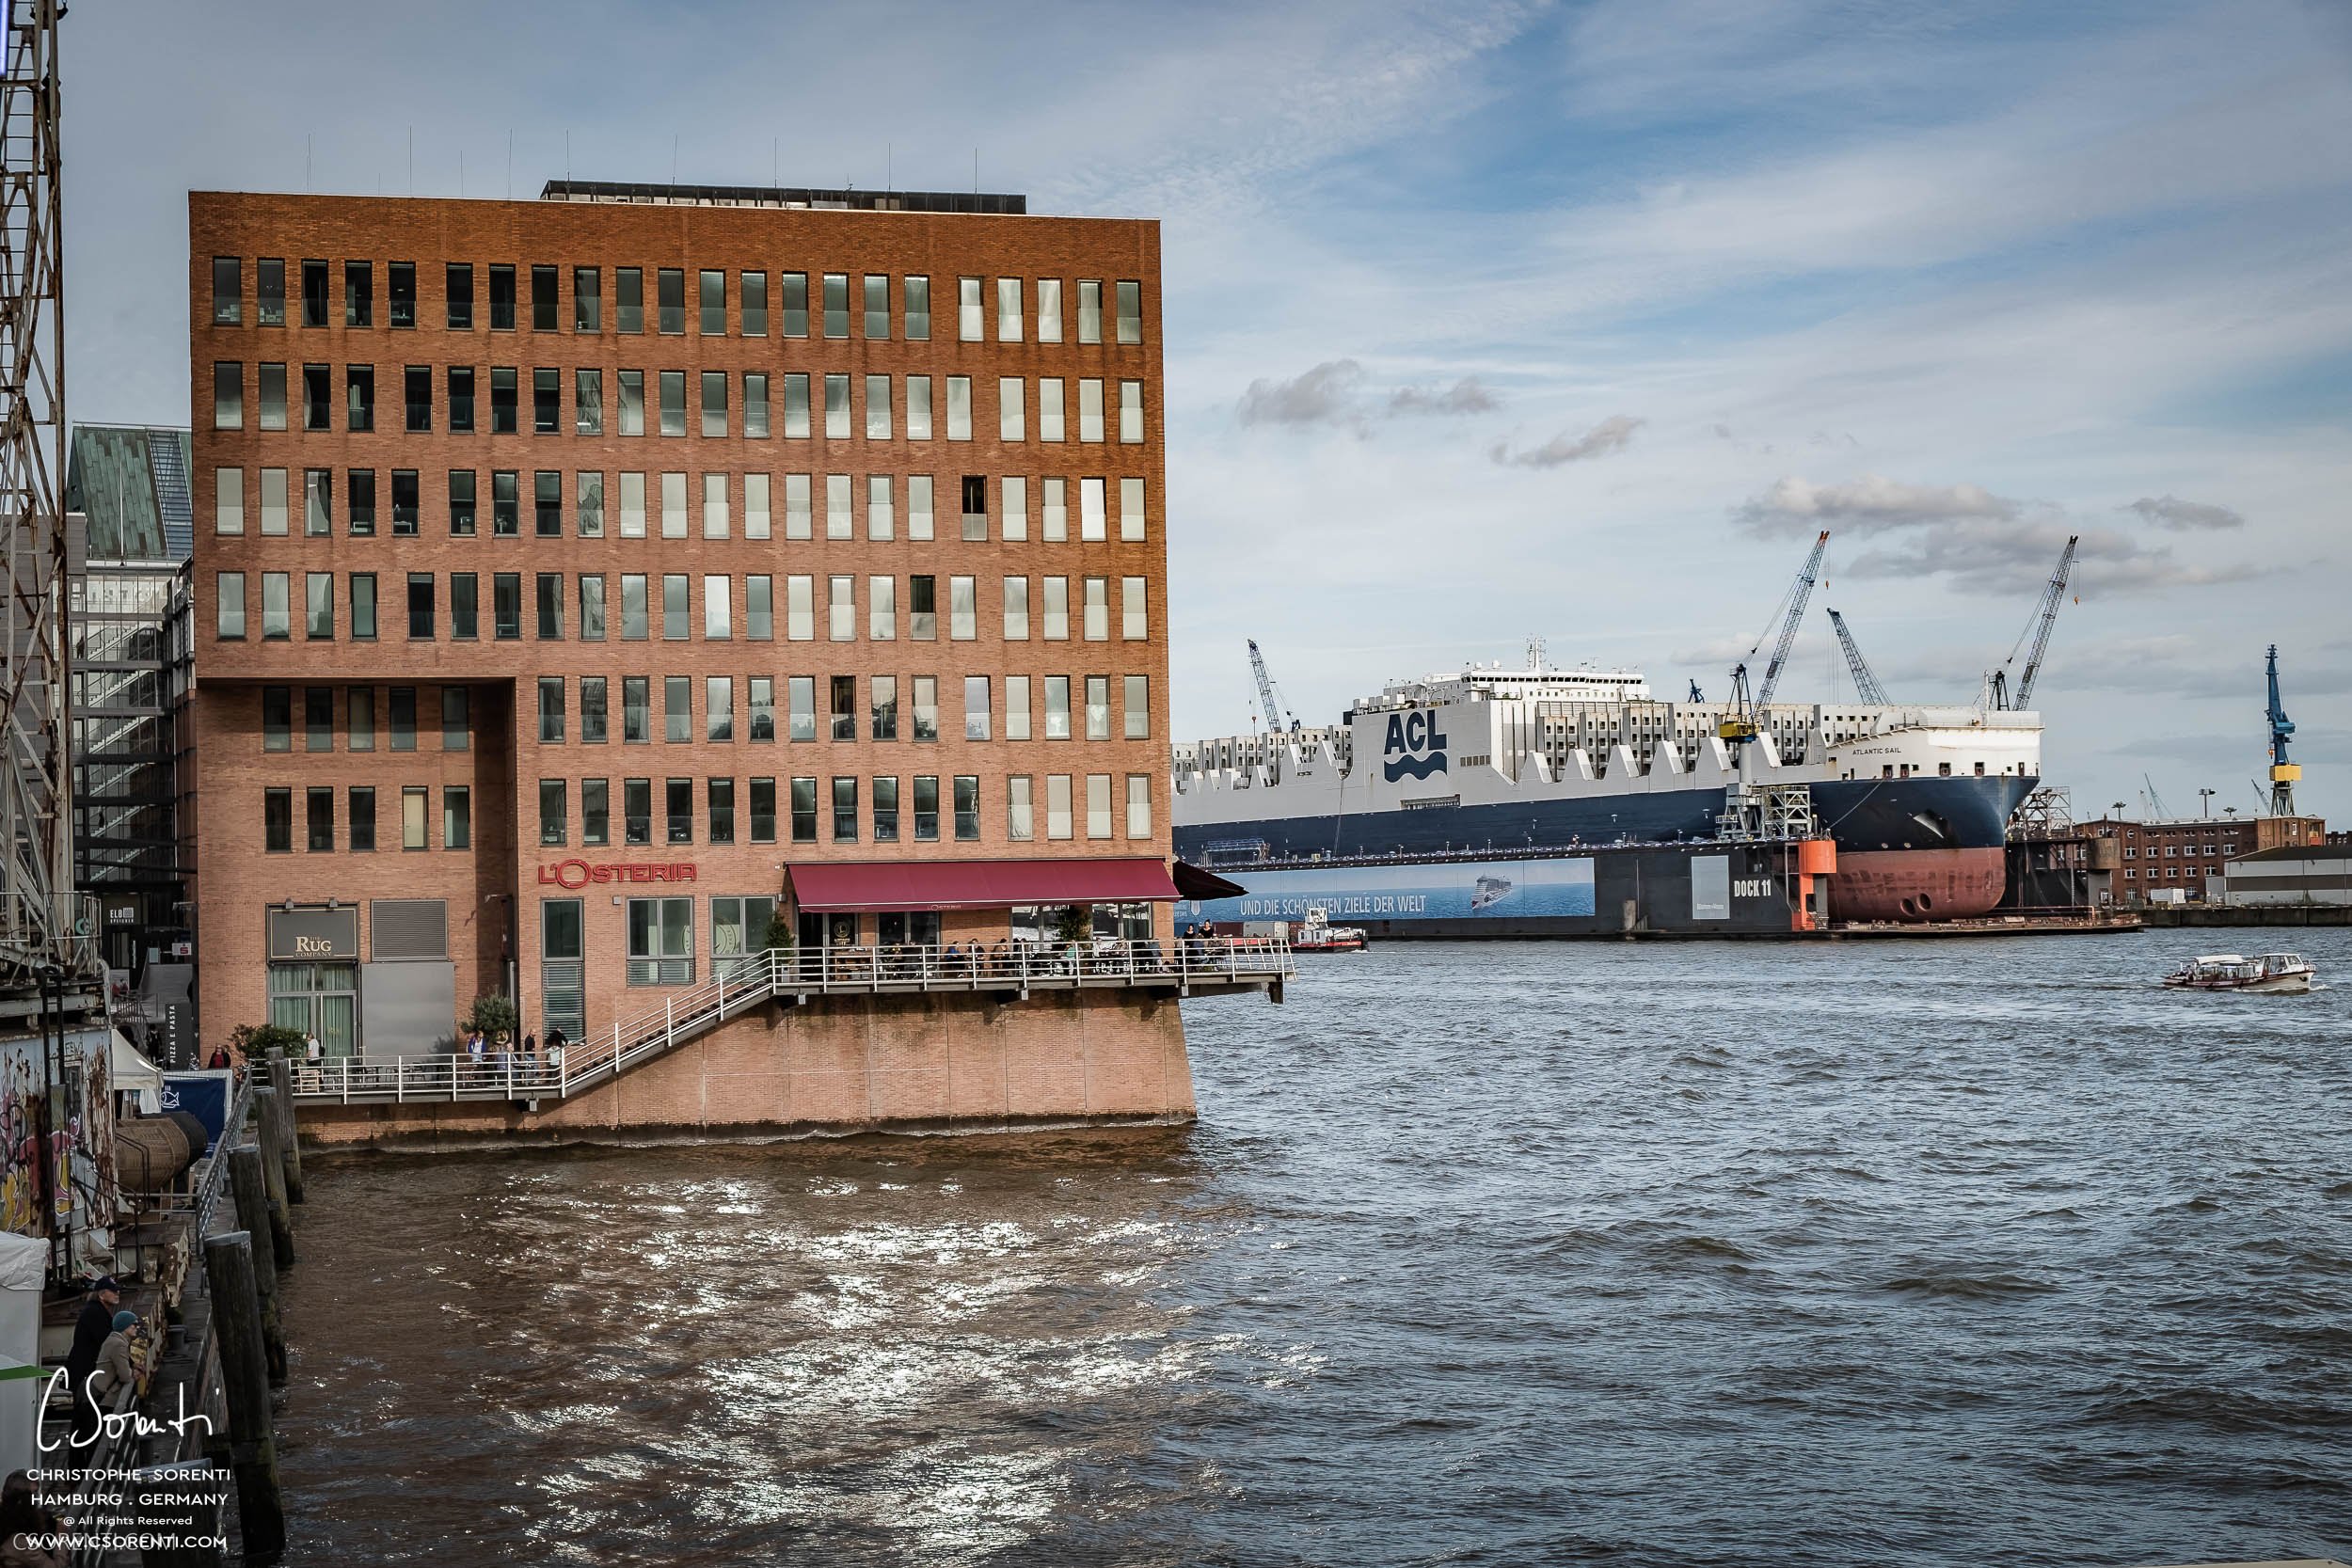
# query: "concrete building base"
[[936, 1063]]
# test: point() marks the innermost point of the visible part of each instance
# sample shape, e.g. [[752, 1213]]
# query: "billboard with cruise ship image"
[[1451, 889]]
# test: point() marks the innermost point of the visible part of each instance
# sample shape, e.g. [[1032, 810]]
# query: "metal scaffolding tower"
[[38, 910]]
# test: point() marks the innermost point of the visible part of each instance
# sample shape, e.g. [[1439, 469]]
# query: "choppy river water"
[[1916, 1253]]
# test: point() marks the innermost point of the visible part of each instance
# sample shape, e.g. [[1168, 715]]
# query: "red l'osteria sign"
[[579, 873]]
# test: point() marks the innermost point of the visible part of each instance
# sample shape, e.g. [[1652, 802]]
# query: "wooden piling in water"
[[269, 1118], [281, 1079], [252, 1195], [229, 1273]]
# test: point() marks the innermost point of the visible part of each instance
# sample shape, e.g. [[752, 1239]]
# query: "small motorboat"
[[1316, 934], [2265, 973]]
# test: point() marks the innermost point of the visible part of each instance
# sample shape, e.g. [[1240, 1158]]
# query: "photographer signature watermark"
[[113, 1424]]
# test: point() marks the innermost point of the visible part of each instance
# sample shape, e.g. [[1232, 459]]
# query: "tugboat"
[[2268, 973], [1316, 934]]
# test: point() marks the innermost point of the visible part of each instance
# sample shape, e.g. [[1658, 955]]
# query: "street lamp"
[[2208, 795]]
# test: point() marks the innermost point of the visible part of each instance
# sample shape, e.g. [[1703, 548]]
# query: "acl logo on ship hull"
[[1409, 732]]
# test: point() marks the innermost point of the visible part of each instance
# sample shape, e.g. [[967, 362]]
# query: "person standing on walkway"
[[118, 1369], [91, 1331]]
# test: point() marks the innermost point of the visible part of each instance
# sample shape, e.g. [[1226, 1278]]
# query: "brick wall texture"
[[848, 1065]]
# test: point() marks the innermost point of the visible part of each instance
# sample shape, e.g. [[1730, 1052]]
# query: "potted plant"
[[497, 1018], [260, 1041], [779, 934]]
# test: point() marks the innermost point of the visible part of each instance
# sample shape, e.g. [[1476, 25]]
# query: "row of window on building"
[[322, 998], [1073, 707], [662, 944], [855, 809], [673, 506], [724, 304], [726, 404], [1050, 612]]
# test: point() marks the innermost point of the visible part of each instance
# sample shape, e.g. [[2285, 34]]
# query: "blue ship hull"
[[1861, 814]]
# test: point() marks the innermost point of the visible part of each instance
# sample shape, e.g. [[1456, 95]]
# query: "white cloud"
[[1978, 540], [1994, 557], [1611, 434], [1322, 394], [2173, 512], [1332, 393], [1867, 505], [1469, 395]]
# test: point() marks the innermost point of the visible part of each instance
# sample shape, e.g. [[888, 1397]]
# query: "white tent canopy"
[[24, 1260], [130, 1072]]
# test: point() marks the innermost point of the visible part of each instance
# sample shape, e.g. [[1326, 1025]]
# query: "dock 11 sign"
[[1454, 890]]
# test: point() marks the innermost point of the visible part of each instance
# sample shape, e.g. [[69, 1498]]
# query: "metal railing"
[[129, 1447], [745, 983]]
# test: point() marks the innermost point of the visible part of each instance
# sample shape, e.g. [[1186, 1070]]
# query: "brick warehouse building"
[[570, 572], [2189, 854]]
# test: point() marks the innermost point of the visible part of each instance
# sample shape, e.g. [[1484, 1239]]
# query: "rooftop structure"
[[130, 484], [651, 194]]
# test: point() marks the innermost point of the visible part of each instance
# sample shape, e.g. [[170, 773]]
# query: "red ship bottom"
[[1916, 884]]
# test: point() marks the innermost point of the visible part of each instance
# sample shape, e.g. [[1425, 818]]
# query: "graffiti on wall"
[[79, 1153], [19, 1131]]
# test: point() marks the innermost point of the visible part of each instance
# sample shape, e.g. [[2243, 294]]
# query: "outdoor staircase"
[[790, 978]]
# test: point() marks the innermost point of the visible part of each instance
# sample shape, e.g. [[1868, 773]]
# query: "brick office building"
[[570, 572], [2187, 856]]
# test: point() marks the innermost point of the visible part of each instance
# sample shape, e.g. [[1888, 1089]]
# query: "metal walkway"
[[792, 977]]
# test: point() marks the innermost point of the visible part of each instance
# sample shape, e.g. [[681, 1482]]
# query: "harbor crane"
[[2045, 617], [1738, 727], [1866, 685], [1276, 719], [2282, 772]]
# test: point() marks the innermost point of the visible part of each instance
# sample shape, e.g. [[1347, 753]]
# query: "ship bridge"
[[1492, 683]]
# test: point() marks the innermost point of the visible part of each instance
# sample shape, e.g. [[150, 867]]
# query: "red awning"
[[890, 885], [1193, 883]]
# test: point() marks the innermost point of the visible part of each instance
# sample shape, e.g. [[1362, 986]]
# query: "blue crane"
[[1866, 685], [2282, 772], [1266, 699], [2038, 628], [1740, 726]]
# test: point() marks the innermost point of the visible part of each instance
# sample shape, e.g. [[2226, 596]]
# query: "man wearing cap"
[[90, 1338]]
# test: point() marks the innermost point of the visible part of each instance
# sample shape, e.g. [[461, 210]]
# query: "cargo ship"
[[1494, 796]]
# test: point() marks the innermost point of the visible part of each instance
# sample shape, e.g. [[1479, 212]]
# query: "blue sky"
[[1492, 321]]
